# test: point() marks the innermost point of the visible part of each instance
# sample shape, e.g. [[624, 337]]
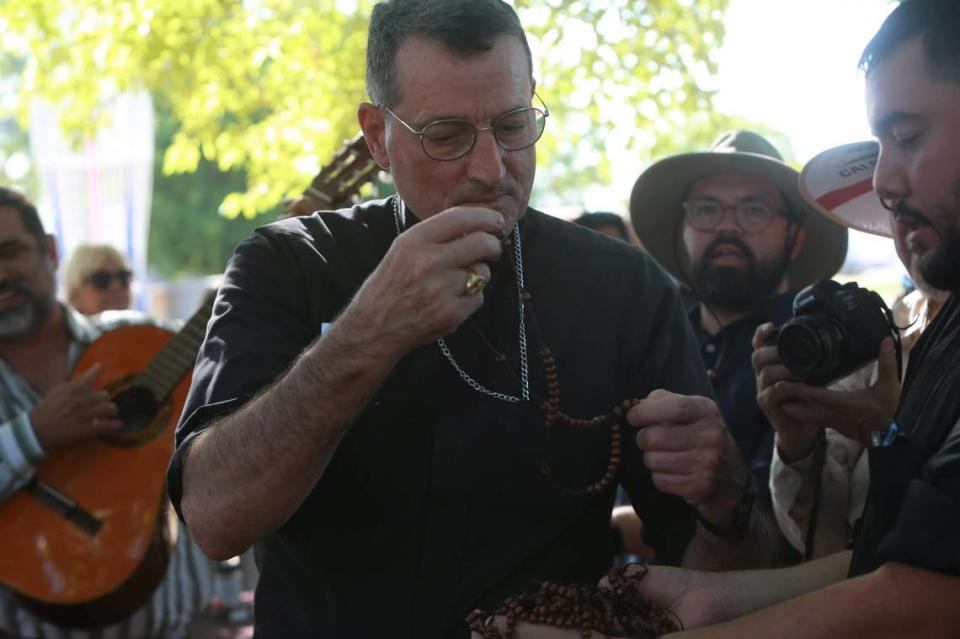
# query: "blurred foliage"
[[270, 87], [186, 235], [15, 167]]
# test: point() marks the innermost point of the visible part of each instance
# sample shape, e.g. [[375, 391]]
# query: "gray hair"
[[465, 27]]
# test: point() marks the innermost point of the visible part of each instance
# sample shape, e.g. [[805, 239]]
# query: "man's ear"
[[374, 132], [51, 242], [798, 239]]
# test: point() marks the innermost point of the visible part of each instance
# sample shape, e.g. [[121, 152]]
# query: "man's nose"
[[889, 176], [485, 162], [728, 221]]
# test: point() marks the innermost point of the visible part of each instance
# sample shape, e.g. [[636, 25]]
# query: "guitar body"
[[119, 479]]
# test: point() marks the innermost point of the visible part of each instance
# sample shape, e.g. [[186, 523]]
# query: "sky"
[[792, 65], [809, 86]]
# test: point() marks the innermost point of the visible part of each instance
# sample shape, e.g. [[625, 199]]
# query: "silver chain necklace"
[[518, 274]]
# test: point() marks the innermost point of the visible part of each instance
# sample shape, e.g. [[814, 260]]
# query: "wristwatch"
[[885, 437], [738, 528]]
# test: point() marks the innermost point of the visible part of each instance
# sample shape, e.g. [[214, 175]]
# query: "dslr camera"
[[835, 329]]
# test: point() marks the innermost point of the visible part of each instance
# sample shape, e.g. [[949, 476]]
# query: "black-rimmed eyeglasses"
[[452, 138]]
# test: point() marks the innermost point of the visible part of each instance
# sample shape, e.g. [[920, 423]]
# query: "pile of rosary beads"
[[617, 611]]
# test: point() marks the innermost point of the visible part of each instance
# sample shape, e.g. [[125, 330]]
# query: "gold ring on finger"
[[474, 284]]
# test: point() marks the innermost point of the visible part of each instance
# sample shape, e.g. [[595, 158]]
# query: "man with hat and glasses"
[[415, 406], [731, 225]]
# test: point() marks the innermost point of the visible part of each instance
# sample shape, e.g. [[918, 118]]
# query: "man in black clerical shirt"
[[412, 406]]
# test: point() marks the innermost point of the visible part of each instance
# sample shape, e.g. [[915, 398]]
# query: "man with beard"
[[903, 577], [819, 478], [904, 572], [41, 409], [731, 225]]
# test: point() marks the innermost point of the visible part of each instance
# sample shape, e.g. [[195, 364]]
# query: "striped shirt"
[[188, 582]]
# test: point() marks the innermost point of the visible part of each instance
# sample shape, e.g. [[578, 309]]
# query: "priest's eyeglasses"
[[452, 138]]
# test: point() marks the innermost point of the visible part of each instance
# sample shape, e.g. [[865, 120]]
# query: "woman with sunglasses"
[[97, 279]]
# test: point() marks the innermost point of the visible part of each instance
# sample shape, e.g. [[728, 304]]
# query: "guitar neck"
[[166, 370], [346, 174]]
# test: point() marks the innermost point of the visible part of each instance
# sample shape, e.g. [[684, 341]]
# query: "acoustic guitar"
[[86, 542], [337, 182]]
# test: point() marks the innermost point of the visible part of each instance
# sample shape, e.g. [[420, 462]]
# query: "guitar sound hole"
[[136, 407]]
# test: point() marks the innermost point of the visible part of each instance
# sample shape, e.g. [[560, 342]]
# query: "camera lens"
[[810, 345]]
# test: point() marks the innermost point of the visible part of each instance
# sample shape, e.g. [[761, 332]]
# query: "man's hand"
[[526, 630], [690, 453], [798, 411], [795, 437], [693, 596], [73, 411], [417, 293]]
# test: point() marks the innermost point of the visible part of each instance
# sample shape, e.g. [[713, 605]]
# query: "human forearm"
[[894, 601], [751, 590], [244, 476]]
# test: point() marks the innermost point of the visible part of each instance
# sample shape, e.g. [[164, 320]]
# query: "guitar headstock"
[[338, 181]]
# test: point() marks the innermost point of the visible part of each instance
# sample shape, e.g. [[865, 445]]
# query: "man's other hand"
[[690, 453], [798, 411], [419, 291], [73, 411]]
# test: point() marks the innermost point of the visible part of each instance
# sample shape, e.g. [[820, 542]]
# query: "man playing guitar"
[[43, 411]]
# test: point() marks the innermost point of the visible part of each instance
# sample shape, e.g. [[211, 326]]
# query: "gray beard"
[[24, 319]]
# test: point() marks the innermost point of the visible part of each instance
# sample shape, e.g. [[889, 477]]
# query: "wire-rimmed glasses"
[[452, 138], [751, 215]]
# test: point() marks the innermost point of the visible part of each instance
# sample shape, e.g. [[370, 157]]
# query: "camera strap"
[[818, 463]]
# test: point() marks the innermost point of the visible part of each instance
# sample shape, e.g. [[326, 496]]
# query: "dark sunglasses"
[[101, 279]]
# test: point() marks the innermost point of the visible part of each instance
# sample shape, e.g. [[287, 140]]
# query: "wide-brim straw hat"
[[656, 205], [839, 183]]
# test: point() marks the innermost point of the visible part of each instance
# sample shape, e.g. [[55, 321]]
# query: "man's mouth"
[[489, 202], [10, 295], [909, 216], [727, 253]]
